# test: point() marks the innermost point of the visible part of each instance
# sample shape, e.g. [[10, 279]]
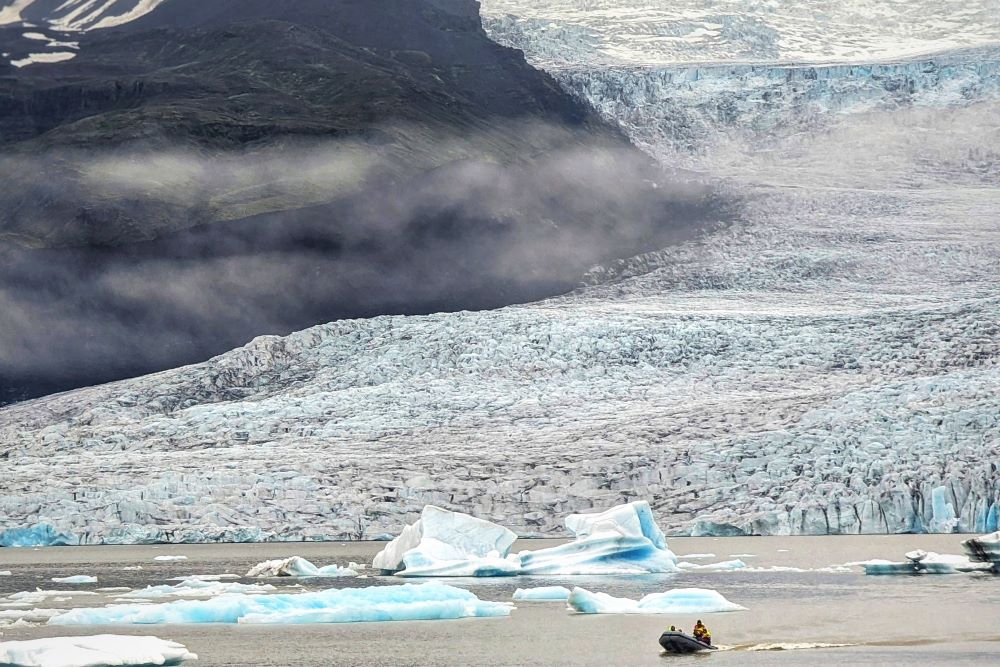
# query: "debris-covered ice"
[[984, 549], [407, 602], [95, 651], [676, 601], [296, 566]]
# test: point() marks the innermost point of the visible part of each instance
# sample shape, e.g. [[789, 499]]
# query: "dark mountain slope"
[[221, 170]]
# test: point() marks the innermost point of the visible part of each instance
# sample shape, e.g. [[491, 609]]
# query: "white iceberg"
[[676, 601], [167, 559], [96, 651], [449, 544], [76, 579], [722, 566], [541, 593], [407, 602], [622, 540], [296, 566], [923, 562], [5, 573]]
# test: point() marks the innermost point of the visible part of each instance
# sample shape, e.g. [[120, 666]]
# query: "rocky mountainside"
[[195, 174]]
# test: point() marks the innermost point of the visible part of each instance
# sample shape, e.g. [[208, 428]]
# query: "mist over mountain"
[[192, 175]]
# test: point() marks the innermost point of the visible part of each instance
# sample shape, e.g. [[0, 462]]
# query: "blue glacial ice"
[[296, 566], [541, 594], [95, 651], [76, 579], [622, 540], [36, 535], [676, 601], [407, 602]]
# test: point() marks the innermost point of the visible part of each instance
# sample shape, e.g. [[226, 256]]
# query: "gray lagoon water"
[[794, 617]]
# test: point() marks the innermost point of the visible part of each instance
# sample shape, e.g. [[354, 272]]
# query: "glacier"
[[94, 651], [828, 364], [407, 602], [676, 601], [622, 540]]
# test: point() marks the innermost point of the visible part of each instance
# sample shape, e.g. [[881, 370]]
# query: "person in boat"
[[701, 633], [672, 629]]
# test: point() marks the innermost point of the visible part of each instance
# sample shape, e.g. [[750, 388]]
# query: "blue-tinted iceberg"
[[296, 566], [449, 544], [541, 593], [408, 602], [676, 601], [622, 540], [97, 651]]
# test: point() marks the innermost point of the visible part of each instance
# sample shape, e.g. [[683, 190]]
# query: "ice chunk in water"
[[96, 651], [676, 601], [984, 549], [408, 602], [443, 543], [541, 593], [167, 559], [76, 579], [197, 588], [296, 566], [722, 566], [923, 562]]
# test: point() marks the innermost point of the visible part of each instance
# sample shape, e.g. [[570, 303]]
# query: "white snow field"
[[826, 364], [96, 651], [622, 540], [675, 601], [408, 602]]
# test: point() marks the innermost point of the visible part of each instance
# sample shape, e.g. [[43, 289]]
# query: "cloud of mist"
[[133, 260]]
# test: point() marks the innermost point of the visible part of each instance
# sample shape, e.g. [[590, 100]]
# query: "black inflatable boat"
[[678, 642]]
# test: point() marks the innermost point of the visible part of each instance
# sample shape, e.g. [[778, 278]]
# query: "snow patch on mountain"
[[77, 15]]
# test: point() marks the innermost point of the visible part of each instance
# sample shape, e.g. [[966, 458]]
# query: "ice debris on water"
[[95, 651], [167, 559], [622, 540], [541, 593], [722, 566], [296, 566], [196, 588], [5, 573], [676, 601], [76, 579], [406, 602], [923, 562]]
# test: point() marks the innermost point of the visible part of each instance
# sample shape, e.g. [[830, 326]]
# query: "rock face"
[[209, 172], [827, 365]]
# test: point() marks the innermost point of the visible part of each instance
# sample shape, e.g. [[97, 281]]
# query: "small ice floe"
[[696, 556], [24, 616], [5, 573], [722, 566], [206, 577], [167, 559], [132, 568], [407, 602], [99, 650], [114, 589], [676, 601], [541, 594], [196, 588], [39, 595], [923, 562], [622, 540], [742, 555], [76, 579], [296, 566]]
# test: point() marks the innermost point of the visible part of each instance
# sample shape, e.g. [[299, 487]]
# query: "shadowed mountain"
[[215, 171]]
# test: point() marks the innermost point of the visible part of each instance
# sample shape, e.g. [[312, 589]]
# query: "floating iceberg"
[[5, 573], [97, 651], [676, 601], [923, 562], [449, 544], [542, 593], [622, 540], [296, 566], [76, 579], [407, 602], [167, 559], [722, 566], [984, 549]]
